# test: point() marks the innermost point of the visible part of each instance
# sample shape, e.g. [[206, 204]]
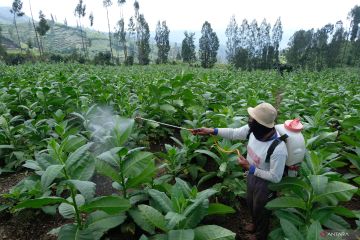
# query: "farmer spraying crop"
[[263, 169]]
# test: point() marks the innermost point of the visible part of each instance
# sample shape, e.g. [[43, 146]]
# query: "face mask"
[[258, 130]]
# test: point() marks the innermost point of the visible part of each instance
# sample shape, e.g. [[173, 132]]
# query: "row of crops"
[[66, 123]]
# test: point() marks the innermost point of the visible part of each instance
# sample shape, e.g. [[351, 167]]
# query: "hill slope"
[[7, 18]]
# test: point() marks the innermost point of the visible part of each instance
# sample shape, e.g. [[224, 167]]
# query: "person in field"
[[260, 132]]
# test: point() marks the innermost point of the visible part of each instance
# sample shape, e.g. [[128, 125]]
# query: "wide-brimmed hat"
[[264, 113]]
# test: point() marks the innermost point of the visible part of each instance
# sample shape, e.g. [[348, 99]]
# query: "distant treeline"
[[249, 45]]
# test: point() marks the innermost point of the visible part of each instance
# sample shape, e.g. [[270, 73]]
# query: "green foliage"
[[143, 36], [102, 58], [179, 212], [311, 201], [250, 46], [208, 46], [188, 48], [162, 41], [43, 26]]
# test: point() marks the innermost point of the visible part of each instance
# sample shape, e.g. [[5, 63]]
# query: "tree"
[[334, 49], [299, 47], [320, 46], [33, 23], [264, 37], [107, 4], [132, 37], [276, 38], [121, 4], [162, 42], [143, 36], [188, 48], [121, 36], [80, 12], [208, 46], [354, 15], [2, 49], [42, 29], [232, 44], [91, 19], [16, 11]]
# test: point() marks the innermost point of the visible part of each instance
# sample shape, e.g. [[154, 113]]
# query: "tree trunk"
[[346, 43], [37, 37], [82, 38], [111, 52], [17, 32]]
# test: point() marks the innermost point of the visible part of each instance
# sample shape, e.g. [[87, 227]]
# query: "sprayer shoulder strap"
[[273, 145], [248, 134]]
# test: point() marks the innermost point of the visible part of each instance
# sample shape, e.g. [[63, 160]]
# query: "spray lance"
[[192, 131]]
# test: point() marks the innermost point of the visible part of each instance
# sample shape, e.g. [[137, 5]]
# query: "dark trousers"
[[258, 195]]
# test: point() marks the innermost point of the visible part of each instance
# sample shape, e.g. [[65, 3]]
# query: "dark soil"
[[28, 224], [234, 222]]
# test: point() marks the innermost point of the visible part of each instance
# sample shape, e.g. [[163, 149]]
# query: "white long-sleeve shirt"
[[256, 153]]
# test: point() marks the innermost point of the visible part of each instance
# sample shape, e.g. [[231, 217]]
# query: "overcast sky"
[[191, 14]]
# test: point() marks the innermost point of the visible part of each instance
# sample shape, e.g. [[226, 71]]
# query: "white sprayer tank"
[[295, 143]]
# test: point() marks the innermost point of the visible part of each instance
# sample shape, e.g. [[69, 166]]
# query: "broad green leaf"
[[145, 176], [276, 234], [286, 202], [49, 175], [100, 222], [71, 143], [111, 156], [181, 184], [108, 204], [71, 231], [137, 163], [336, 222], [343, 211], [173, 219], [182, 234], [206, 177], [80, 165], [219, 208], [86, 188], [168, 108], [319, 183], [210, 154], [290, 216], [200, 199], [40, 202], [342, 191], [159, 236], [153, 216], [31, 164], [290, 230], [77, 155], [289, 183], [106, 169], [67, 210], [213, 232], [161, 199], [313, 232], [141, 221], [322, 214], [123, 129]]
